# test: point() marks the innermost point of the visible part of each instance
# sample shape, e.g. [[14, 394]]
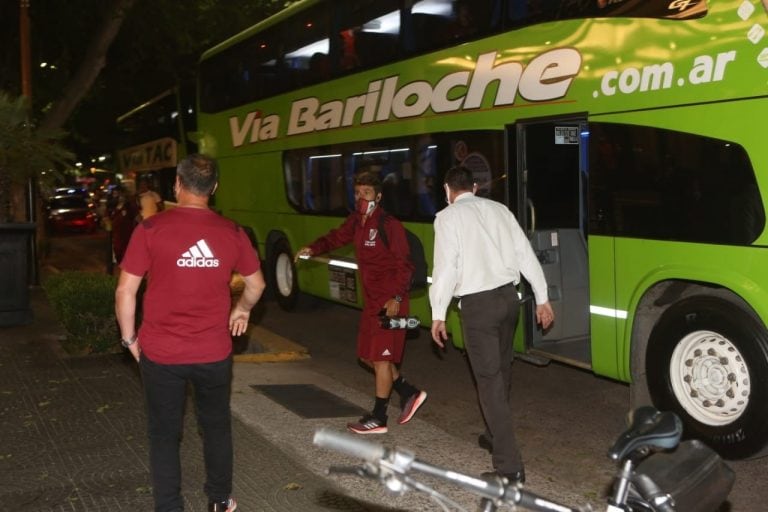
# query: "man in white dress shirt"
[[480, 252]]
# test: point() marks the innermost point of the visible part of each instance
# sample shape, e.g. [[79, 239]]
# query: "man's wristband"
[[128, 342], [398, 298]]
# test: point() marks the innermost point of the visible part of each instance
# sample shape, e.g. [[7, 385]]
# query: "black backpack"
[[415, 254]]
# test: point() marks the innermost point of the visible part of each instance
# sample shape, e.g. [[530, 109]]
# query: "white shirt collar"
[[463, 195]]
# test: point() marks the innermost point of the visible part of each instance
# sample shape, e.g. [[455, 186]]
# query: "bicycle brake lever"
[[364, 470]]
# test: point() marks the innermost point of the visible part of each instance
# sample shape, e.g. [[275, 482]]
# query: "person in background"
[[464, 23], [480, 252], [122, 220], [319, 67], [385, 271], [188, 255], [150, 201]]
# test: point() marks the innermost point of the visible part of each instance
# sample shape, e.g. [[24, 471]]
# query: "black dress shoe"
[[485, 443], [518, 477]]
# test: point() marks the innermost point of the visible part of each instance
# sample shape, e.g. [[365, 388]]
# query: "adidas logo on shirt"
[[199, 255]]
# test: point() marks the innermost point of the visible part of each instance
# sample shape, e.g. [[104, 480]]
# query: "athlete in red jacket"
[[385, 271]]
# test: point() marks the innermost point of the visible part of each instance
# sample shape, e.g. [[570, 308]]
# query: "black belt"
[[498, 288]]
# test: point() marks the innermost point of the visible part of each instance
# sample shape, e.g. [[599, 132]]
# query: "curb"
[[276, 349]]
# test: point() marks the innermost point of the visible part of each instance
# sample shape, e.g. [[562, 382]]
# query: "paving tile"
[[74, 438]]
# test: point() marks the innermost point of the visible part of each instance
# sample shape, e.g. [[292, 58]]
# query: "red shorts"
[[377, 344]]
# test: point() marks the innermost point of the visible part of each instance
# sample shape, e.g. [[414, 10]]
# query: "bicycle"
[[656, 472]]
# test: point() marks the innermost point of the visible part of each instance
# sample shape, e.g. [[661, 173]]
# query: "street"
[[566, 418]]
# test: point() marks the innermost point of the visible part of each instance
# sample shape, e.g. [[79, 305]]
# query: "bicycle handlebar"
[[366, 450], [650, 431], [399, 462]]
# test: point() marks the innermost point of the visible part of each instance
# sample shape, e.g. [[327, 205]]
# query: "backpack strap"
[[382, 231]]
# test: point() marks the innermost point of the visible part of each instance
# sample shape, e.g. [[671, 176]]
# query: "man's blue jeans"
[[165, 389]]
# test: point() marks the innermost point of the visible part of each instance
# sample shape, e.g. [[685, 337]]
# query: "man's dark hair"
[[198, 174], [369, 178], [459, 178]]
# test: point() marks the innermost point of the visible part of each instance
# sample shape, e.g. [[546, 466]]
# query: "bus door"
[[547, 164]]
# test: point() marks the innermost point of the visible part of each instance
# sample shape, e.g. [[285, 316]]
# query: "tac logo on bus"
[[547, 77]]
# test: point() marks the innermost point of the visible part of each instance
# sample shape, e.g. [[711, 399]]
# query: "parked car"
[[70, 191], [72, 212]]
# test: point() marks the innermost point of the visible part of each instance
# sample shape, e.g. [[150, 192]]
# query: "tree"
[[94, 61], [104, 58], [139, 48], [24, 154]]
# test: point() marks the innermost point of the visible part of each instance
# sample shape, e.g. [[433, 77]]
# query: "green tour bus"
[[625, 135]]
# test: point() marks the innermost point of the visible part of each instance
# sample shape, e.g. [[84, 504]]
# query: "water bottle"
[[400, 322]]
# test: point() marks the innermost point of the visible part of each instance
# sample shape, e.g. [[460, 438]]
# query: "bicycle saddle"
[[649, 429]]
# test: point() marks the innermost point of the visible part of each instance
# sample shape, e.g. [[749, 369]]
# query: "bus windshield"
[[153, 136]]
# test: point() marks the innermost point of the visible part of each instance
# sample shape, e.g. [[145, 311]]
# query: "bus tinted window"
[[305, 47], [241, 74], [524, 12], [336, 38], [368, 34], [315, 181], [320, 180], [436, 24], [661, 184], [482, 152]]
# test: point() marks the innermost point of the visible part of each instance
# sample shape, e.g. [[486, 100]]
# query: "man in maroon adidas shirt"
[[188, 255]]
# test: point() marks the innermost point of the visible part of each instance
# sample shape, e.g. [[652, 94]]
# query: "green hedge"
[[85, 305]]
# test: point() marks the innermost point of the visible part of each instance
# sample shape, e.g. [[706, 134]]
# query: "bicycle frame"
[[650, 431]]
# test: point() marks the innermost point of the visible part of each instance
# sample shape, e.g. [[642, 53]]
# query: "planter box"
[[15, 240]]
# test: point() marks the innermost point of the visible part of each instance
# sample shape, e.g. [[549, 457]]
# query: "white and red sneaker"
[[228, 505], [369, 424], [411, 406]]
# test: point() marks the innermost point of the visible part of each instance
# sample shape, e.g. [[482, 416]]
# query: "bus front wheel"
[[283, 275], [707, 361]]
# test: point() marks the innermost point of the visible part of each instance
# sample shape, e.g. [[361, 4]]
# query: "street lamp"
[[26, 91]]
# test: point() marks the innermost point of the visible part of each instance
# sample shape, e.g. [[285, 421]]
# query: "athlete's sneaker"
[[368, 424], [411, 406], [228, 505]]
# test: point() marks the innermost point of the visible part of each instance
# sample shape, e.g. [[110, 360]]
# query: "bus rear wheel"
[[707, 361], [283, 275]]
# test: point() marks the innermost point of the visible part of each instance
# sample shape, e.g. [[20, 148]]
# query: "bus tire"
[[707, 361], [282, 270]]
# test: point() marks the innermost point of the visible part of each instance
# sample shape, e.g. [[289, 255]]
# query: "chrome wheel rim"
[[710, 378], [284, 275]]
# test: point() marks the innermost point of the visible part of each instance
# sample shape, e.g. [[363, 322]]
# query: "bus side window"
[[319, 67], [426, 32], [426, 176], [660, 184], [465, 22], [375, 48], [367, 35]]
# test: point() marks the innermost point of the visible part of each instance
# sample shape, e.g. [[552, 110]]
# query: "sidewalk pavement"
[[73, 432]]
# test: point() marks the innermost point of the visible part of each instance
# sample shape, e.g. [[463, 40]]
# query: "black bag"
[[415, 255], [696, 478]]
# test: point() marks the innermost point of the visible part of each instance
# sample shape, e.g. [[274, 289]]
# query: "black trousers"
[[165, 388], [488, 321]]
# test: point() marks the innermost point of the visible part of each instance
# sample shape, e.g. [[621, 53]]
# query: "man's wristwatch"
[[127, 343], [398, 298]]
